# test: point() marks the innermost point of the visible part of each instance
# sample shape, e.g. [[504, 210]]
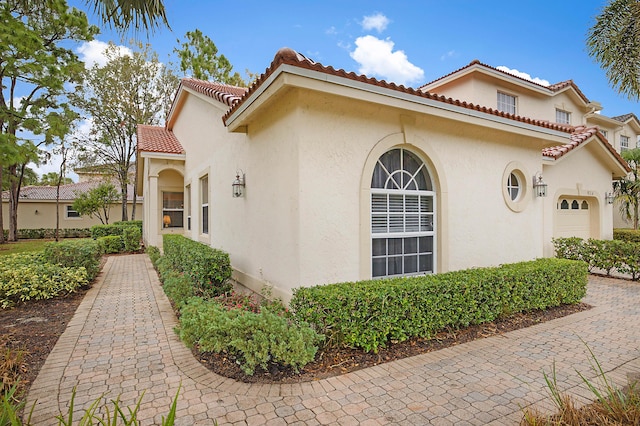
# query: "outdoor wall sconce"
[[539, 186], [609, 197], [238, 185], [166, 220], [36, 211]]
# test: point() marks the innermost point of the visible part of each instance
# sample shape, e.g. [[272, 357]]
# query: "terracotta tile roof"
[[224, 93], [157, 139], [580, 135], [286, 56], [626, 117], [552, 87], [67, 192]]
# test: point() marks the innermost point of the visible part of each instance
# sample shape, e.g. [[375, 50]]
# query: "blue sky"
[[408, 42]]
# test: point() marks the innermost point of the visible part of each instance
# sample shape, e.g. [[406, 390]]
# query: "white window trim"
[[522, 200], [203, 205]]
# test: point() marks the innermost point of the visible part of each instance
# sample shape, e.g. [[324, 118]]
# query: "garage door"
[[573, 218]]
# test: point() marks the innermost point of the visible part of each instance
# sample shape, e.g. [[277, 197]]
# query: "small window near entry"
[[564, 205], [563, 117], [71, 213], [506, 103], [514, 186], [172, 209]]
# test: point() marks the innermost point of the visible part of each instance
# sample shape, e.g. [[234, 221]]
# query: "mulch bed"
[[35, 327]]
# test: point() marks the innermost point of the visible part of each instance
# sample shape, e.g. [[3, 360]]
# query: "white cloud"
[[331, 31], [377, 58], [449, 54], [92, 52], [523, 75], [376, 22]]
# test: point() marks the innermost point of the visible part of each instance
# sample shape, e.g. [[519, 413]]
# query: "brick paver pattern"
[[121, 341]]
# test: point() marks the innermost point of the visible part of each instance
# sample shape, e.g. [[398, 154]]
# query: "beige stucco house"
[[342, 177], [37, 207]]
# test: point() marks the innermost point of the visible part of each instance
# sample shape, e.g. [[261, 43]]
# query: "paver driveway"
[[121, 341]]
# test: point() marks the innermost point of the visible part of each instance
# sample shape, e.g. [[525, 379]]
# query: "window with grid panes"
[[563, 117], [624, 143], [506, 103], [402, 216]]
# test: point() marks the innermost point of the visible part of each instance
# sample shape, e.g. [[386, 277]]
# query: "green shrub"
[[27, 276], [98, 231], [112, 244], [368, 314], [178, 288], [630, 235], [255, 339], [154, 254], [125, 223], [41, 233], [74, 254], [131, 237], [609, 255], [209, 269]]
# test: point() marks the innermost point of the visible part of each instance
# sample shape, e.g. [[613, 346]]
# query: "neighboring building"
[[37, 207], [346, 178]]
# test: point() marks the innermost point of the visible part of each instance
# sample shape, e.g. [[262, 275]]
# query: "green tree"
[[35, 63], [614, 42], [199, 57], [123, 15], [627, 190], [127, 91], [96, 202], [52, 179], [29, 177]]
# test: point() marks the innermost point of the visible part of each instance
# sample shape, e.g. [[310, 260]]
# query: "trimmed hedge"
[[98, 231], [28, 276], [208, 268], [369, 314], [74, 254], [607, 255], [128, 223], [630, 235], [111, 244], [48, 233], [131, 236]]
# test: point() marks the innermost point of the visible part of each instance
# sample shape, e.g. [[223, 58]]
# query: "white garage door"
[[573, 217]]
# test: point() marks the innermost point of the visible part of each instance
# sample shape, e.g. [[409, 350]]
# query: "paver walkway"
[[121, 342]]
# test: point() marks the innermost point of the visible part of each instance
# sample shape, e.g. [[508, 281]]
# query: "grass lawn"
[[22, 246]]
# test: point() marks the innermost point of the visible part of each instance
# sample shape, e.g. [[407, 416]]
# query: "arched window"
[[575, 205], [402, 216]]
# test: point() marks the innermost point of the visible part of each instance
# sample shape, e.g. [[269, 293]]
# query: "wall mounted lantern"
[[238, 185], [539, 186], [609, 197]]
